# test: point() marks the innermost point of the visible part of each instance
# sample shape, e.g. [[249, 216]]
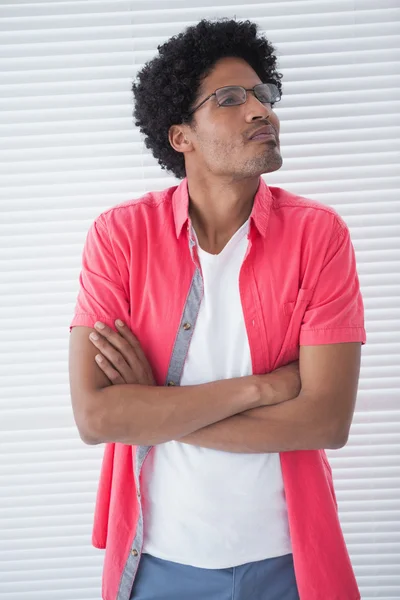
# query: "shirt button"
[[171, 383], [186, 326], [138, 493], [134, 552]]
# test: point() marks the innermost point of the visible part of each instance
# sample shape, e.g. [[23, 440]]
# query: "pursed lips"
[[263, 133]]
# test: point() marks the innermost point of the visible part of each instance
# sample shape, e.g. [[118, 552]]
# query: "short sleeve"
[[101, 295], [335, 313]]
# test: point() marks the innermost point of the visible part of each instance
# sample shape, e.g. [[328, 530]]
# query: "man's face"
[[221, 135]]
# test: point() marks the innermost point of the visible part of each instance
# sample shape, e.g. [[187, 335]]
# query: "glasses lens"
[[230, 96], [267, 93]]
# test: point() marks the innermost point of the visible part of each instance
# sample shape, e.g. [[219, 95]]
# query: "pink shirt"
[[298, 286]]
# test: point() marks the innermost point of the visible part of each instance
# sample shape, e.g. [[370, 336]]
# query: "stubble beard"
[[267, 162]]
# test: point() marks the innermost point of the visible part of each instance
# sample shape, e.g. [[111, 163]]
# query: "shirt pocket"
[[288, 308], [302, 299]]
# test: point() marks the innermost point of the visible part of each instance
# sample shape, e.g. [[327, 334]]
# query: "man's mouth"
[[263, 133]]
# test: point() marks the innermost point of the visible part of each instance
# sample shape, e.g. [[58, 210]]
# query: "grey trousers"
[[269, 579]]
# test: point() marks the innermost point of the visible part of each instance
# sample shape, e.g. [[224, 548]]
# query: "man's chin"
[[273, 163], [275, 166]]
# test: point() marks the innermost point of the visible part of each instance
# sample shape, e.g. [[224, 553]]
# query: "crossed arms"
[[298, 407]]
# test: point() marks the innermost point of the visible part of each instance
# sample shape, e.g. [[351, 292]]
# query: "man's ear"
[[178, 139]]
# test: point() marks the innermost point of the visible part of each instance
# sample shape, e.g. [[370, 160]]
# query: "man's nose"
[[255, 109]]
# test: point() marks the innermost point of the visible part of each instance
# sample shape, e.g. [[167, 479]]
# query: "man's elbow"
[[86, 433], [87, 429], [338, 438], [90, 441]]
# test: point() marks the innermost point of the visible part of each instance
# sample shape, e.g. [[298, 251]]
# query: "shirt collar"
[[259, 214]]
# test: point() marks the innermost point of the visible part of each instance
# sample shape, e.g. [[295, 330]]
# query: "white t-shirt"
[[208, 508]]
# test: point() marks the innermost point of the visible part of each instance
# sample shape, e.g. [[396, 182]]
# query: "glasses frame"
[[253, 89]]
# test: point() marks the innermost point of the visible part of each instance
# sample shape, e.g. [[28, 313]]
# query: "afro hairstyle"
[[168, 85]]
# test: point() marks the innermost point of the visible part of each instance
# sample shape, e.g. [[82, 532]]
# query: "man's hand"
[[122, 358]]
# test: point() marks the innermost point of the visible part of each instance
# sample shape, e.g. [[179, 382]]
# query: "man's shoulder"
[[130, 213], [312, 212]]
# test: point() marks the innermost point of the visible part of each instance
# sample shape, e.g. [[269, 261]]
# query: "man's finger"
[[118, 338], [107, 368], [131, 338], [130, 355], [118, 352], [134, 342]]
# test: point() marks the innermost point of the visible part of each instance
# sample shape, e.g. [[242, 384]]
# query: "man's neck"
[[219, 209]]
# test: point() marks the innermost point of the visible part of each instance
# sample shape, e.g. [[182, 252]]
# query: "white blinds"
[[69, 151]]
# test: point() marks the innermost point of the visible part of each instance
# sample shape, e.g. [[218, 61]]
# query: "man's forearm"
[[292, 425], [148, 415]]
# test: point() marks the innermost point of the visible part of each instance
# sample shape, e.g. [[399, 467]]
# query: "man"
[[238, 359]]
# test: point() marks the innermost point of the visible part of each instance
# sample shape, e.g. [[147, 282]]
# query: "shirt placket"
[[252, 310], [174, 375]]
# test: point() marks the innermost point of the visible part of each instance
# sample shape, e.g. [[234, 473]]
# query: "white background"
[[69, 150]]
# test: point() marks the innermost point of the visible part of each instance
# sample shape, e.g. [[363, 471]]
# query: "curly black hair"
[[168, 85]]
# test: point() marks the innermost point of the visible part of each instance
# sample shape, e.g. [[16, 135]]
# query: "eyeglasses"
[[233, 95]]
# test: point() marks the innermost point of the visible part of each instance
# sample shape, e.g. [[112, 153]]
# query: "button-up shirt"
[[298, 286]]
